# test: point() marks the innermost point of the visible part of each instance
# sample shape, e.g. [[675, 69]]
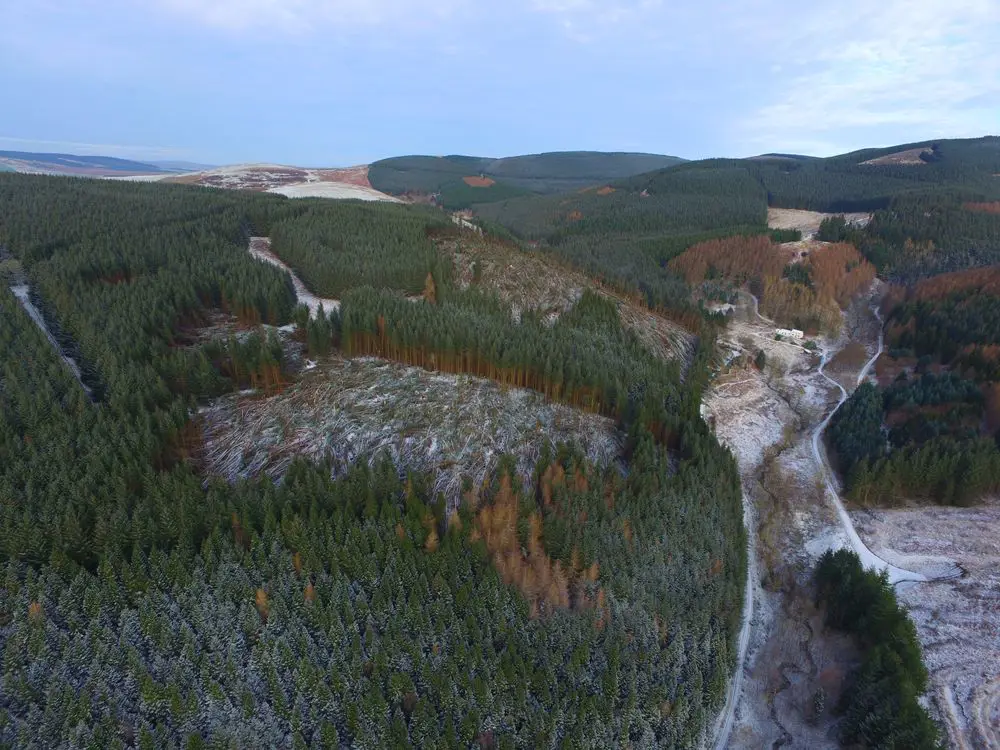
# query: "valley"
[[940, 560]]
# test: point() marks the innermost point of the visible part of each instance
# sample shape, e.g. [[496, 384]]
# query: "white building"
[[790, 333]]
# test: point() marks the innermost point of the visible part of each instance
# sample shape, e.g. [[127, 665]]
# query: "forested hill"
[[934, 206], [859, 181], [460, 181], [147, 603]]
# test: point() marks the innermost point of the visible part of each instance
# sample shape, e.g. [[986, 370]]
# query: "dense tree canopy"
[[881, 706], [142, 606]]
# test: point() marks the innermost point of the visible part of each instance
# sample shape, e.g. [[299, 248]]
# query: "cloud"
[[920, 68], [10, 143]]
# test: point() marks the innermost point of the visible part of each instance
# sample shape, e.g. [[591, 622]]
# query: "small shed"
[[790, 333]]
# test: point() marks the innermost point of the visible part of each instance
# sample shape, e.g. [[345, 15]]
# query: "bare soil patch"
[[807, 222], [348, 175], [210, 325], [986, 208], [184, 179], [910, 157], [606, 190], [479, 182], [848, 360]]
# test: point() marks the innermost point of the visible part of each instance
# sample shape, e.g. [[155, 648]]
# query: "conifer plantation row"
[[334, 250], [143, 607], [586, 359]]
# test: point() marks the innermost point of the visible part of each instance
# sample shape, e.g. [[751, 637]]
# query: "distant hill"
[[932, 204], [71, 164], [789, 157], [870, 179], [463, 181], [182, 166], [718, 193]]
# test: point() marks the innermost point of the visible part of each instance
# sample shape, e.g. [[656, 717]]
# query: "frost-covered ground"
[[532, 281], [346, 411], [769, 420], [294, 182], [807, 222], [139, 177], [761, 416], [958, 621]]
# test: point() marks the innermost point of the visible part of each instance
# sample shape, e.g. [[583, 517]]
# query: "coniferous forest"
[[933, 432], [145, 605], [881, 706]]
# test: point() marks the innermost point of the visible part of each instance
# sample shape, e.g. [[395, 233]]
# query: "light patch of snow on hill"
[[339, 190], [140, 177]]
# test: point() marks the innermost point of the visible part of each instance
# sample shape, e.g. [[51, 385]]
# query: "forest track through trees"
[[260, 248], [868, 558], [724, 724], [23, 294]]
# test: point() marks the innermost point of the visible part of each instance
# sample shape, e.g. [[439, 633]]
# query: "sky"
[[341, 82]]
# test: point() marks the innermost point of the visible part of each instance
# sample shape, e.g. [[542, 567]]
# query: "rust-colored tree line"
[[810, 296]]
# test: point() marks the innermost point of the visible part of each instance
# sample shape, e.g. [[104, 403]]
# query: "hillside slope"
[[292, 182], [70, 164], [430, 571], [450, 177]]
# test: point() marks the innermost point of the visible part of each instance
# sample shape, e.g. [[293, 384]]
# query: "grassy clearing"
[[347, 411]]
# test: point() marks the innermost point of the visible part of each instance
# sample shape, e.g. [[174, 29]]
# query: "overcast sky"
[[338, 82]]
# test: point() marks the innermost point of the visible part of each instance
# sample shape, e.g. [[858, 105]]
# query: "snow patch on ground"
[[294, 182], [337, 190], [139, 177]]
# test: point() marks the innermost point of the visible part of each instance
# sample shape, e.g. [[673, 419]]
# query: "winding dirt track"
[[868, 558], [260, 248], [985, 705], [724, 724]]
